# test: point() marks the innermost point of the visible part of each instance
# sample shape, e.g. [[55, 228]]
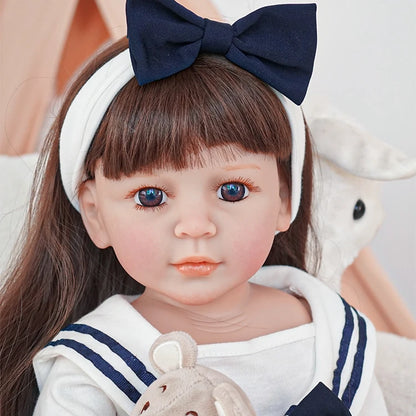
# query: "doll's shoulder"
[[108, 346], [65, 386], [327, 307], [114, 324], [280, 309]]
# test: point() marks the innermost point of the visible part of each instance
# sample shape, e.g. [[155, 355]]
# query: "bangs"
[[166, 124]]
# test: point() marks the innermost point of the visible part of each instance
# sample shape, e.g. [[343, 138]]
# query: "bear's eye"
[[164, 387], [191, 413], [145, 407]]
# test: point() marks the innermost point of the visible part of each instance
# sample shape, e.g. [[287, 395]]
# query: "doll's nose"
[[195, 223]]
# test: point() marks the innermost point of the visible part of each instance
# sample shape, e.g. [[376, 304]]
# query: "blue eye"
[[150, 197], [232, 191]]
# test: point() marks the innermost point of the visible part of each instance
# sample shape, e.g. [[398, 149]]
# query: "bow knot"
[[217, 37]]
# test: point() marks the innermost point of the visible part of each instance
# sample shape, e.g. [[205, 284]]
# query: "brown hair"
[[59, 274]]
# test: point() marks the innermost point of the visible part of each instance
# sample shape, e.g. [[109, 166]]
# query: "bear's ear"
[[173, 351], [231, 400]]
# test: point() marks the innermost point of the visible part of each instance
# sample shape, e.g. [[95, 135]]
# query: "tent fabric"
[[33, 38], [38, 56], [28, 65]]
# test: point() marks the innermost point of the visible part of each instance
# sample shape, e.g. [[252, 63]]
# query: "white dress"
[[100, 365]]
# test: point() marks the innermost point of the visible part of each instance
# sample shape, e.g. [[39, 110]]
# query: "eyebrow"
[[245, 166]]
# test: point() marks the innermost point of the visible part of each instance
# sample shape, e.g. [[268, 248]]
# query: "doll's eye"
[[150, 197], [359, 210], [191, 413], [232, 191]]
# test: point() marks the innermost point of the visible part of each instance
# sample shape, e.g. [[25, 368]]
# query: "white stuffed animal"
[[347, 209], [347, 212]]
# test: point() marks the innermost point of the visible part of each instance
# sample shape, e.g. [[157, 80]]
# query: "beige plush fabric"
[[186, 388], [396, 373]]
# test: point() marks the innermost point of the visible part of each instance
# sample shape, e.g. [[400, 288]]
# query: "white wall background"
[[366, 68]]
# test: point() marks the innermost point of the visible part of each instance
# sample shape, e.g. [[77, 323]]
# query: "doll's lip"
[[196, 266]]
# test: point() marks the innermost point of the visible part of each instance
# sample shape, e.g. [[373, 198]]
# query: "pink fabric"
[[32, 37]]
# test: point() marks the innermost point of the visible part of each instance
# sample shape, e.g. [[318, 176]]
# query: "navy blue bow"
[[320, 402], [275, 43]]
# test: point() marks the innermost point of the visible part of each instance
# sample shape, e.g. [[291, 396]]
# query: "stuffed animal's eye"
[[191, 413], [359, 210], [145, 407], [164, 387]]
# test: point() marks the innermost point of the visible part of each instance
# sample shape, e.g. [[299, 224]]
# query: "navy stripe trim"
[[357, 370], [109, 371], [131, 360], [344, 346]]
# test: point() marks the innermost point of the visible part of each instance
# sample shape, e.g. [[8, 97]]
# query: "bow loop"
[[217, 37]]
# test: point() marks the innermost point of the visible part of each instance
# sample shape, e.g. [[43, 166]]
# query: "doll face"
[[191, 235]]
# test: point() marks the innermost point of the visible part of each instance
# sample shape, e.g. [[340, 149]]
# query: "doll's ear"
[[173, 351], [90, 214], [284, 213]]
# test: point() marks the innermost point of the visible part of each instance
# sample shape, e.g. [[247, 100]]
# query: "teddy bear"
[[185, 388]]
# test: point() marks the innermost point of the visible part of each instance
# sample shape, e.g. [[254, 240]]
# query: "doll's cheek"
[[254, 246], [137, 251]]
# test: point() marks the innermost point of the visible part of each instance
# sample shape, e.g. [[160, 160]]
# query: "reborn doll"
[[175, 170]]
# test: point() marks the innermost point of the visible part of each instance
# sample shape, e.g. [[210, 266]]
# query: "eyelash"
[[154, 209], [245, 181]]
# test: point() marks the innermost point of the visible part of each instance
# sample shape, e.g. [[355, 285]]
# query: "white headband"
[[92, 101]]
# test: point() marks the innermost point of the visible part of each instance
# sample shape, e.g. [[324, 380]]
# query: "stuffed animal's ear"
[[231, 401], [173, 351], [362, 155]]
